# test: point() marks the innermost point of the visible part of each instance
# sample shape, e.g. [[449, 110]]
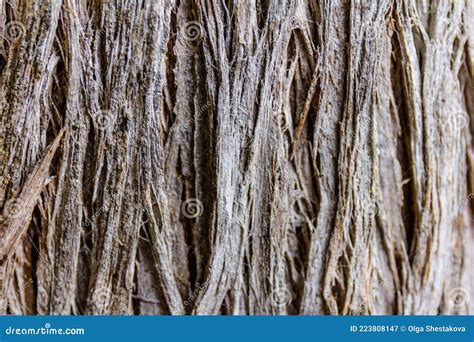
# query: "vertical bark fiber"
[[236, 157]]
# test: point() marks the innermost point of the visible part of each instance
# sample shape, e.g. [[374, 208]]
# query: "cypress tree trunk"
[[236, 157]]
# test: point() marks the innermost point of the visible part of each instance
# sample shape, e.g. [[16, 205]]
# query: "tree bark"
[[236, 157]]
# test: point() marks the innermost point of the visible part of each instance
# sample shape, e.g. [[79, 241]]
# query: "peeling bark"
[[236, 157]]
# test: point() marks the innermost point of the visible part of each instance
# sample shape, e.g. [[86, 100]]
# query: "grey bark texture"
[[233, 157]]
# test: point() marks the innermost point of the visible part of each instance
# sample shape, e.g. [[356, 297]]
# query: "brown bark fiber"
[[236, 157]]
